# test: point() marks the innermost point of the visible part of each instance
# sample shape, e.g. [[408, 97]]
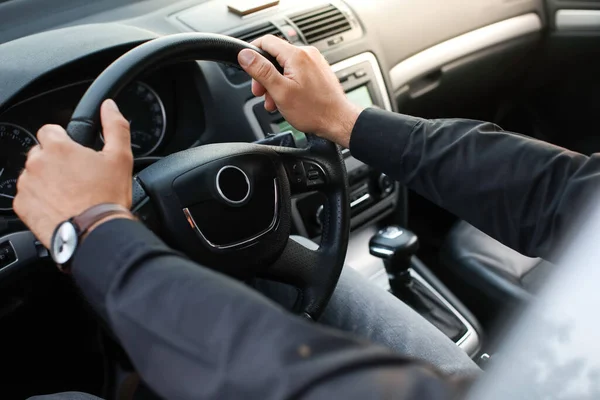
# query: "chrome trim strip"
[[381, 251], [577, 20], [360, 200], [227, 199], [371, 59], [192, 222], [443, 53]]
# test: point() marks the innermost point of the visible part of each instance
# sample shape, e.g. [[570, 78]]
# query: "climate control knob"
[[385, 184]]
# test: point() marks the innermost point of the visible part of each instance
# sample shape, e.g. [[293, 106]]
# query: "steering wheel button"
[[315, 183], [297, 169], [7, 254]]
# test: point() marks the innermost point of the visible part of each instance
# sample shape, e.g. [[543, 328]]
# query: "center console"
[[373, 195]]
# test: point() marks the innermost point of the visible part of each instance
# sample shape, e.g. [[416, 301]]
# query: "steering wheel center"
[[233, 185]]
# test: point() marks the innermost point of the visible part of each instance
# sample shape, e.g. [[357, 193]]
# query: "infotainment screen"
[[285, 126], [359, 96]]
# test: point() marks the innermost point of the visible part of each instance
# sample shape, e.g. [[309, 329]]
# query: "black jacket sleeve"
[[195, 334], [523, 192]]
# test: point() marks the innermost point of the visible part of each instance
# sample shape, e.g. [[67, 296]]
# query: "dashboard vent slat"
[[259, 31], [321, 23]]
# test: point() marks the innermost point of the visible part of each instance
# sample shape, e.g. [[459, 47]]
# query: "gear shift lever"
[[395, 246]]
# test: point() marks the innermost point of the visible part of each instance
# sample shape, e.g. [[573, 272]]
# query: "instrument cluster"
[[139, 102]]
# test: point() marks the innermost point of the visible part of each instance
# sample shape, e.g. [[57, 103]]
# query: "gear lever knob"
[[396, 246]]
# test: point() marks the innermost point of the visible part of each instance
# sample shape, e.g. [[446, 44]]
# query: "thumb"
[[261, 70], [115, 128]]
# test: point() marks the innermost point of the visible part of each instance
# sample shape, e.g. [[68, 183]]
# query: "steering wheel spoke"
[[299, 266]]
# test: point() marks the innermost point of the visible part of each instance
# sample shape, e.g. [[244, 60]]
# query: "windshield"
[[19, 18]]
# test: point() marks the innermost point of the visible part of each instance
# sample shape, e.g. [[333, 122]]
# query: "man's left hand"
[[62, 179]]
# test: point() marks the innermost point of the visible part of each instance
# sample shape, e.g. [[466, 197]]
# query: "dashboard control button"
[[335, 41], [344, 77], [360, 73], [386, 184]]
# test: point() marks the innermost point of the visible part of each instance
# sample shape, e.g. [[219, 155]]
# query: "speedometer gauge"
[[145, 112], [15, 142]]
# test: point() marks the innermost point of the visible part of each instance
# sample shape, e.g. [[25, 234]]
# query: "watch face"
[[64, 243]]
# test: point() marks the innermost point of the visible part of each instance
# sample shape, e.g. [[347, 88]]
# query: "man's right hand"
[[308, 94]]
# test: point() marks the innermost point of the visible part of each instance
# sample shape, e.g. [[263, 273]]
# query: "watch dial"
[[64, 243]]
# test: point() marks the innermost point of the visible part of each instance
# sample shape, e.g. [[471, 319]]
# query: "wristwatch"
[[67, 235]]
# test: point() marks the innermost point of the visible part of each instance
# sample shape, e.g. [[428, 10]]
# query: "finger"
[[258, 89], [262, 70], [115, 129], [33, 157], [270, 105], [278, 48], [34, 150], [50, 134]]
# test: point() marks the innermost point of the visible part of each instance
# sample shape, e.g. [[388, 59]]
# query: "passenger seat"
[[495, 270]]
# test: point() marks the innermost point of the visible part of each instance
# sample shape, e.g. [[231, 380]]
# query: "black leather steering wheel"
[[228, 206]]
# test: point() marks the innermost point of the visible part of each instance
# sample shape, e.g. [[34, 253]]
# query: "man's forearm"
[[195, 334], [521, 191]]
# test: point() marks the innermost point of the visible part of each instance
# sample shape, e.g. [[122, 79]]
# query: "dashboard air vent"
[[321, 23], [258, 31]]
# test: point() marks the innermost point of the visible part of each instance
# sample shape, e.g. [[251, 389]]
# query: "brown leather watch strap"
[[92, 215]]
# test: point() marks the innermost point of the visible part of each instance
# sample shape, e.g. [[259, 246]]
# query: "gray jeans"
[[368, 311]]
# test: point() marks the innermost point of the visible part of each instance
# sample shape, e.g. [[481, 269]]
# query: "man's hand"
[[308, 94], [62, 178]]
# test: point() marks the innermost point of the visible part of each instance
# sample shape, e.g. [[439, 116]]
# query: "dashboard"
[[184, 104]]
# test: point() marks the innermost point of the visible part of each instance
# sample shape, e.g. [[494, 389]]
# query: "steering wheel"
[[228, 206]]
